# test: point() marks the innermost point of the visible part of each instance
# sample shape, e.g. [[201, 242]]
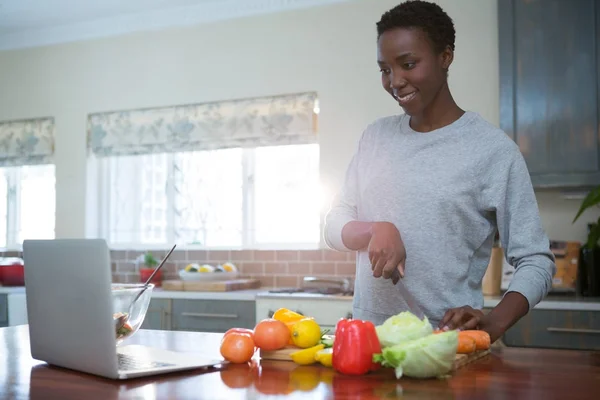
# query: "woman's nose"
[[397, 82]]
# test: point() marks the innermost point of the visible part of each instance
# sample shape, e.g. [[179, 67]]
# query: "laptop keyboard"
[[129, 363]]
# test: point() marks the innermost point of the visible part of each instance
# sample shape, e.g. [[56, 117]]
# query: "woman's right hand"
[[386, 251]]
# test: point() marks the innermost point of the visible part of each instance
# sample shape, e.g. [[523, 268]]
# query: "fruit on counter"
[[228, 267], [482, 338], [306, 333], [427, 357], [306, 356], [354, 347], [285, 315], [240, 330], [401, 328], [271, 334], [325, 356], [199, 268], [237, 347]]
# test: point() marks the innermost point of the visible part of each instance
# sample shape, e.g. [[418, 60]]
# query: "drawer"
[[212, 316], [3, 310], [578, 330]]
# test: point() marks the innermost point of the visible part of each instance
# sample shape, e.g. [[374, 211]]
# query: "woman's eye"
[[384, 71], [409, 65]]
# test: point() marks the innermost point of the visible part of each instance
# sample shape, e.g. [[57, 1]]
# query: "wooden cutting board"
[[284, 355], [210, 286]]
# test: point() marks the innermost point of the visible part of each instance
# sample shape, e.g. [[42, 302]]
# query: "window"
[[237, 198], [27, 204]]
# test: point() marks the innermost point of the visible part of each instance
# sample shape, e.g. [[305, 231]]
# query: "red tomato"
[[271, 334], [237, 347], [240, 330]]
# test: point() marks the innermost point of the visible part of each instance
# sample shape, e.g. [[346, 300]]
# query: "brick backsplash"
[[274, 268]]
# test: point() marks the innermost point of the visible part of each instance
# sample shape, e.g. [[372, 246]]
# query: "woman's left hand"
[[463, 318]]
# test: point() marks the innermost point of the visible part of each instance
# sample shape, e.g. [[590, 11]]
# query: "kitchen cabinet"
[[557, 329], [549, 87], [211, 315], [3, 310], [158, 315]]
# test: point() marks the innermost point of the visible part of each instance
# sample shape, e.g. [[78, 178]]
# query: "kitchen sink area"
[[318, 287]]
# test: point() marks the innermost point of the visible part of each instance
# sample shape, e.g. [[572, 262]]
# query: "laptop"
[[70, 314]]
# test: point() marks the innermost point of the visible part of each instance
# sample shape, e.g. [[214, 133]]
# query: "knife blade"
[[411, 302]]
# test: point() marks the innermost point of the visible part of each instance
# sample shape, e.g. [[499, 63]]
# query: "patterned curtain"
[[27, 142], [265, 121]]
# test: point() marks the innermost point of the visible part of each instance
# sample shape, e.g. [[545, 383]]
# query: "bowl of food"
[[128, 318], [206, 272]]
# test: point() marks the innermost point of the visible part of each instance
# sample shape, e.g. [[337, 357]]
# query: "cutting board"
[[210, 286], [284, 355]]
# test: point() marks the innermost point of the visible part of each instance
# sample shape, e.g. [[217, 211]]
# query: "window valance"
[[27, 142], [264, 121]]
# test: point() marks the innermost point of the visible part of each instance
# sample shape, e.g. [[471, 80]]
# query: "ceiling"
[[29, 23]]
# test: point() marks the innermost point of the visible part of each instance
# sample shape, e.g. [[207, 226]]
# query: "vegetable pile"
[[403, 342], [414, 349]]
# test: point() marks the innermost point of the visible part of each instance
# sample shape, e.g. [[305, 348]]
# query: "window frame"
[[248, 214]]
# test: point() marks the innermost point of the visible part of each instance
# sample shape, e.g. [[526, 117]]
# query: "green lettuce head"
[[402, 328], [428, 357]]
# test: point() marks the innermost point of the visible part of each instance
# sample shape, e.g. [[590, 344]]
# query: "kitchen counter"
[[552, 302], [506, 373]]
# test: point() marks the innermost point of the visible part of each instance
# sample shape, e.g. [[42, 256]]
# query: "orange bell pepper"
[[285, 315]]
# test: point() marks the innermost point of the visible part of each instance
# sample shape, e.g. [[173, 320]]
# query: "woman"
[[427, 191]]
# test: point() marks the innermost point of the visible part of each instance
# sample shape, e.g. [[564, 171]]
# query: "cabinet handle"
[[569, 330], [208, 315]]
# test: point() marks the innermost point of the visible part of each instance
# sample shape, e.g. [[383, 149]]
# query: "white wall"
[[329, 49]]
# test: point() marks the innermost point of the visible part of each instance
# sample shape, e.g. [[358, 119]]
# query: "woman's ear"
[[447, 57]]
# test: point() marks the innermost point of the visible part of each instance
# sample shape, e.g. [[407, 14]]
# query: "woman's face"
[[411, 70]]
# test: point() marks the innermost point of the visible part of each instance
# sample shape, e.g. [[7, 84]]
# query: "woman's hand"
[[386, 251], [463, 318]]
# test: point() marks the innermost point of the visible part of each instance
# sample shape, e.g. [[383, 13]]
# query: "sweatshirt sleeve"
[[522, 236], [343, 207]]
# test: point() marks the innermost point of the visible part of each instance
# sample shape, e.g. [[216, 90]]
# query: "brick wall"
[[274, 268]]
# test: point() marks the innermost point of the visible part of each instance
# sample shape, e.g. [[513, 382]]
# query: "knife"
[[413, 307]]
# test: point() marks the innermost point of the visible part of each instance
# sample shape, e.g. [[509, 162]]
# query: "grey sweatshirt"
[[447, 191]]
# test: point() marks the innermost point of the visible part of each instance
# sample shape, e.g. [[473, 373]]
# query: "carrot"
[[481, 338], [466, 344]]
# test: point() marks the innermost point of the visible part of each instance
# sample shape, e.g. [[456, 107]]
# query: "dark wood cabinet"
[[556, 329], [550, 87]]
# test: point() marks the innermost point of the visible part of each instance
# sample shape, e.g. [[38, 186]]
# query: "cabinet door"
[[158, 315], [212, 315], [556, 329], [549, 87]]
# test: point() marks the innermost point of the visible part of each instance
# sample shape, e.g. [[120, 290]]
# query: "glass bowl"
[[123, 294]]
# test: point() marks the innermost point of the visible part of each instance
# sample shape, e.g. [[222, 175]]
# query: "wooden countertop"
[[506, 373]]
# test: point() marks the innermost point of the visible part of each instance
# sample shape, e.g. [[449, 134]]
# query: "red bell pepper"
[[353, 348]]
